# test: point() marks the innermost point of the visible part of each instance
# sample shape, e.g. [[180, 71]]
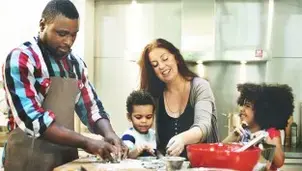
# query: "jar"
[[294, 134]]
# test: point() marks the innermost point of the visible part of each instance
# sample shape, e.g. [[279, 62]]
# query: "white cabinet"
[[287, 35], [198, 28]]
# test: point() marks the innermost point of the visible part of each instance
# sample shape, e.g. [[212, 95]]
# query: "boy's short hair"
[[139, 97], [272, 103]]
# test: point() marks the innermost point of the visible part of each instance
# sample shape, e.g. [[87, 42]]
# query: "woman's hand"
[[175, 145]]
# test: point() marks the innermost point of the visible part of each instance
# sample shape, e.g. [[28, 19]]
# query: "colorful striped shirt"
[[26, 74]]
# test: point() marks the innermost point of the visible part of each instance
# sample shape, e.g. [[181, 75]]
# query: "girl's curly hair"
[[272, 103]]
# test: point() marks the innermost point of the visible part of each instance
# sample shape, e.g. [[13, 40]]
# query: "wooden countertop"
[[135, 166], [92, 164]]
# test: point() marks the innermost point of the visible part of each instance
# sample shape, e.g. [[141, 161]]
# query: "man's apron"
[[25, 154]]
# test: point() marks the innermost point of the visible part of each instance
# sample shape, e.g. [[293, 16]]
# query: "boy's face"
[[247, 113], [142, 118]]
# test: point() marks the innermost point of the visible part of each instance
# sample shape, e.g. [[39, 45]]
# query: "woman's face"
[[247, 113], [164, 64]]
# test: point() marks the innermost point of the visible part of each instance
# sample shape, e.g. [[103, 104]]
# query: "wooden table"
[[93, 165]]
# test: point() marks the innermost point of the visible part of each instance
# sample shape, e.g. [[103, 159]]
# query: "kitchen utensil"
[[256, 140], [268, 151], [173, 162], [220, 155]]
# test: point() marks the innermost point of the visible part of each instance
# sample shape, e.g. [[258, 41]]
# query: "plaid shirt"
[[26, 75]]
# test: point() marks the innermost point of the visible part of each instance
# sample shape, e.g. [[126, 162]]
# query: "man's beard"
[[53, 51]]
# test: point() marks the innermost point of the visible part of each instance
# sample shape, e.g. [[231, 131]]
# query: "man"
[[45, 83]]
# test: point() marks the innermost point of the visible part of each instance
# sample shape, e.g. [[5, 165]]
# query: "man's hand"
[[99, 147], [104, 128], [175, 145], [122, 149]]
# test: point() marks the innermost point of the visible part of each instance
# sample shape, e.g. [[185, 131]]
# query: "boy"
[[140, 138]]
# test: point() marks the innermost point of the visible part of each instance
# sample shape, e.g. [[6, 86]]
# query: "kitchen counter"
[[293, 158], [128, 165], [291, 152]]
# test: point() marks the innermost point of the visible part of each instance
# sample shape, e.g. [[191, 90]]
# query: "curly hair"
[[139, 97], [272, 103]]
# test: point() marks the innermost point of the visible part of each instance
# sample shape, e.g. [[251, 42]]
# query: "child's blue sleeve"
[[129, 141]]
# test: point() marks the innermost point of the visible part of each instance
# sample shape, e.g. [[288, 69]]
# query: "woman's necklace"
[[177, 112]]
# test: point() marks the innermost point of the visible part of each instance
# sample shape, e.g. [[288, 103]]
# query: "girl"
[[264, 107]]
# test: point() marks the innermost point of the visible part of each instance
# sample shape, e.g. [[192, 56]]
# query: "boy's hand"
[[139, 149], [136, 152], [149, 149]]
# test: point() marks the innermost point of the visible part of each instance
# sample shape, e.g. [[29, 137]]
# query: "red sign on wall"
[[259, 53]]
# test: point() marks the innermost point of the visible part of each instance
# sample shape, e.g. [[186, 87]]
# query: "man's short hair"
[[59, 7], [139, 97]]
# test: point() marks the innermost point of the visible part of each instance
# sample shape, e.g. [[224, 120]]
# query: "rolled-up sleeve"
[[204, 107], [22, 97], [89, 107]]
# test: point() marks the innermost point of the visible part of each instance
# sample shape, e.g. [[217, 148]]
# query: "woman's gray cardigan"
[[203, 102]]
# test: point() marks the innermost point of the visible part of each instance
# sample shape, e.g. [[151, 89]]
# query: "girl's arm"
[[278, 159]]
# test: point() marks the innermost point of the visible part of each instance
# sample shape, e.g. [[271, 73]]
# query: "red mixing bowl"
[[220, 155]]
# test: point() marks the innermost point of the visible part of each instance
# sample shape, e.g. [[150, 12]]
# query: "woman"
[[185, 102]]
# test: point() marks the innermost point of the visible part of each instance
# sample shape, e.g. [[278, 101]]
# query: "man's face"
[[59, 35], [142, 118]]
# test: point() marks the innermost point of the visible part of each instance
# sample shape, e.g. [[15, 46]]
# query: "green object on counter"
[[294, 133]]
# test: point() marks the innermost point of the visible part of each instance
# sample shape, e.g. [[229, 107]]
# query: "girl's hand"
[[240, 130]]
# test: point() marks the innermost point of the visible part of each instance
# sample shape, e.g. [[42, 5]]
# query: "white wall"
[[19, 23], [287, 37], [122, 29]]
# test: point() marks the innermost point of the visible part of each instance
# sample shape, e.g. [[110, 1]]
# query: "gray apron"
[[24, 153]]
